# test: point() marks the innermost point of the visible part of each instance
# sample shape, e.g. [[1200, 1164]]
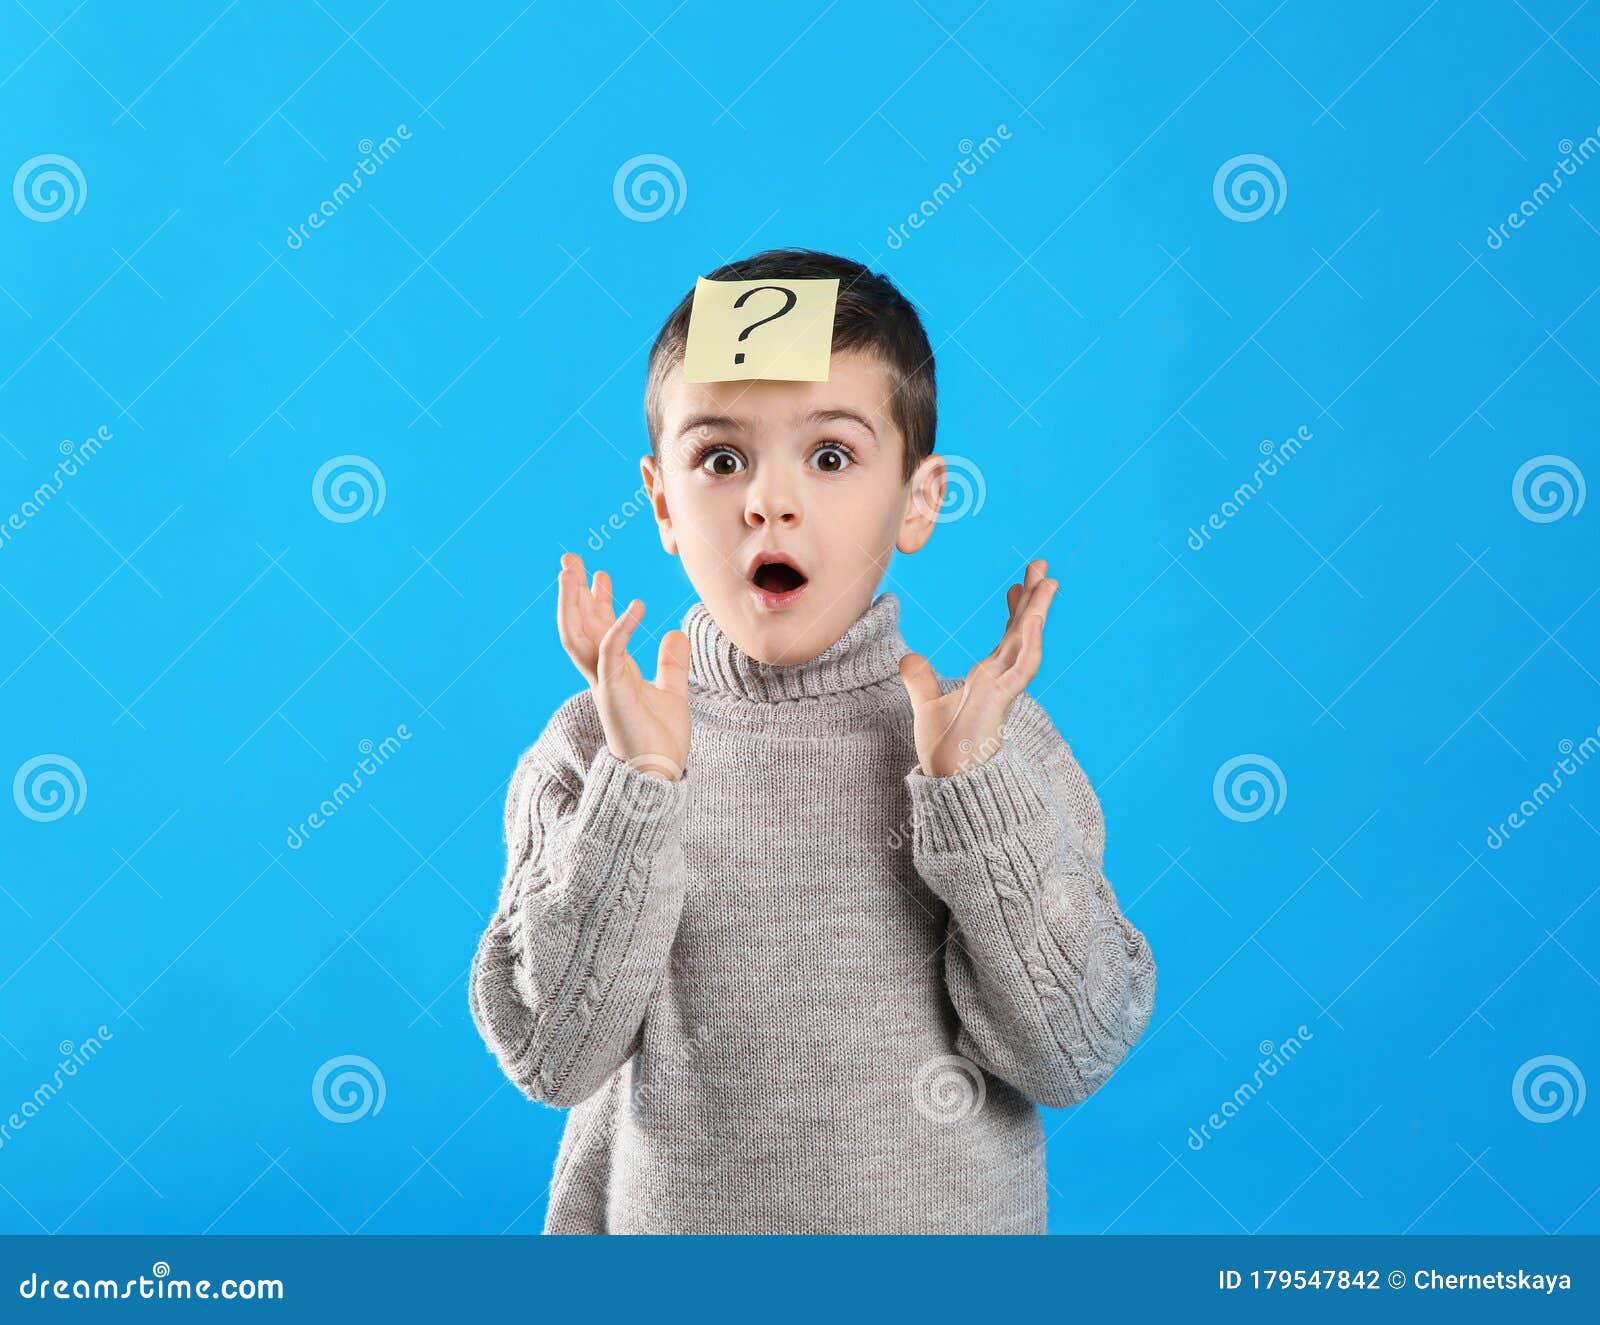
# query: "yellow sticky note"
[[739, 330]]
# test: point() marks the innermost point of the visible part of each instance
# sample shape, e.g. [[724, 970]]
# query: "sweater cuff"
[[982, 805], [629, 807]]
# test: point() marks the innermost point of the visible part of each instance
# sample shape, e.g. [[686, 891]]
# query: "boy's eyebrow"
[[840, 415], [697, 421]]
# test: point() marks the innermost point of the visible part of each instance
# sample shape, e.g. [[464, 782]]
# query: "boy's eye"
[[716, 461], [834, 458]]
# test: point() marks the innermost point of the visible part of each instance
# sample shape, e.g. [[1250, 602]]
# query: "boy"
[[812, 968]]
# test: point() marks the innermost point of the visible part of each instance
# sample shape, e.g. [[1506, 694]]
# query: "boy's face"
[[809, 470]]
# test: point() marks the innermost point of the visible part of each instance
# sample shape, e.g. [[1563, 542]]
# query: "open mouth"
[[776, 579]]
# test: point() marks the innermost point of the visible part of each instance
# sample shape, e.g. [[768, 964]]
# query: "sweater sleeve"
[[589, 906], [1051, 982]]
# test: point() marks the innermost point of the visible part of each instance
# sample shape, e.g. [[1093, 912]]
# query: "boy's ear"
[[655, 484], [924, 500]]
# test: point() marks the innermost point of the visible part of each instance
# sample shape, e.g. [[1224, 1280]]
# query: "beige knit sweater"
[[805, 988]]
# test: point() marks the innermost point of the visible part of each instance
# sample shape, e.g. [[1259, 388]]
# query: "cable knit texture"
[[805, 988]]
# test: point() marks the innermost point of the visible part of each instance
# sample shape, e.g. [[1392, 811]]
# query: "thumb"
[[921, 683], [672, 664]]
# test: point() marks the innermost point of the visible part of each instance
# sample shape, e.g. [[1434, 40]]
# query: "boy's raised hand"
[[646, 725], [961, 730]]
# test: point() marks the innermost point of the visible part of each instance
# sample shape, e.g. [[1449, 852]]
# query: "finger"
[[1026, 664], [601, 614], [672, 664], [920, 682], [570, 624], [1036, 608], [614, 659]]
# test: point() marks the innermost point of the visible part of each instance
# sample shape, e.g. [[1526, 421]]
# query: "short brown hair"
[[871, 315]]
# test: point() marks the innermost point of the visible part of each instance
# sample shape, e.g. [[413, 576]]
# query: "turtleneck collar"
[[867, 653]]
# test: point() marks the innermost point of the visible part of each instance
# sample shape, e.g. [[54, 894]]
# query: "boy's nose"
[[771, 508]]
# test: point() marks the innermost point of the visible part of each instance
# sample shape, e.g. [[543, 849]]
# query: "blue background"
[[1382, 622]]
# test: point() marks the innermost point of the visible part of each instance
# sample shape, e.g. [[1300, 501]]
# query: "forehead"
[[857, 383]]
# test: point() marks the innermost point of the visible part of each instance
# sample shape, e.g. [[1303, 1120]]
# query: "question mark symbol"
[[790, 299]]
